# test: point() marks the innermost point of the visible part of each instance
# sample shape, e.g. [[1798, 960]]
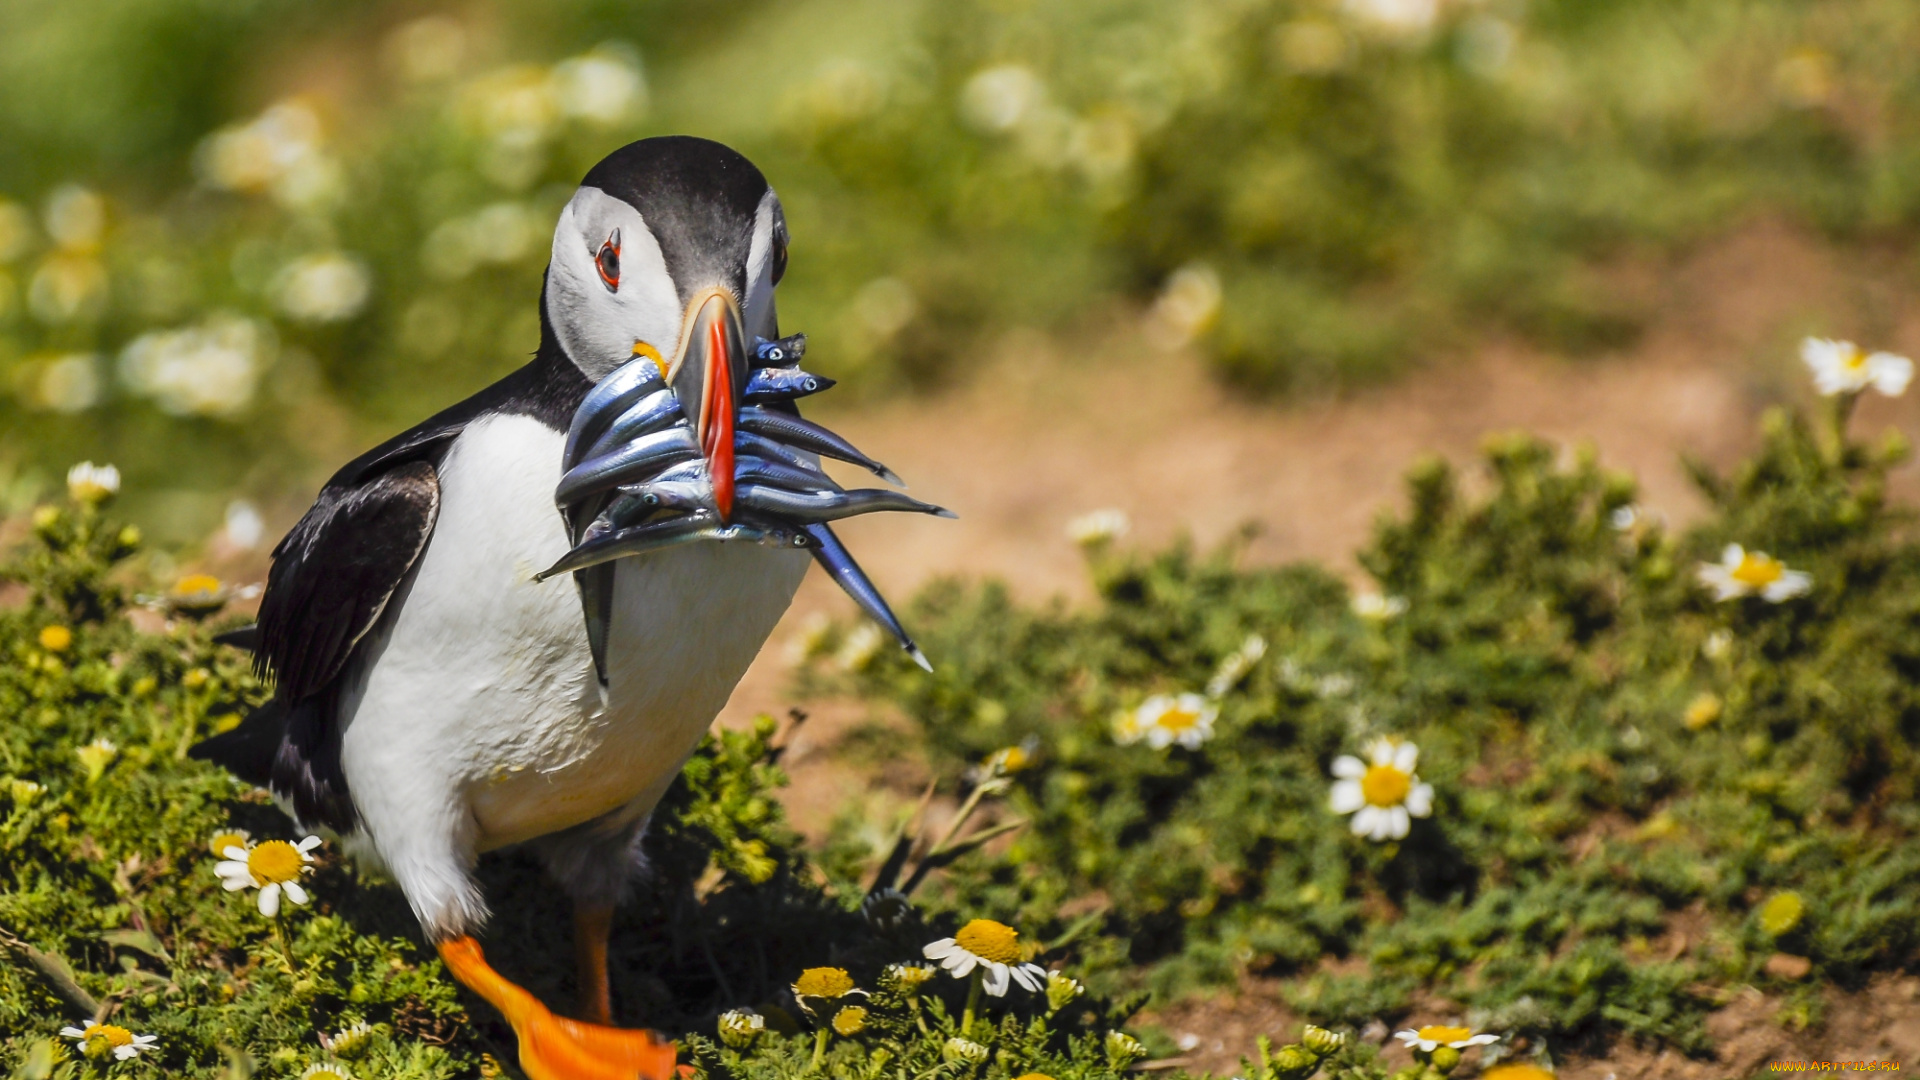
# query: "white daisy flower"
[[1745, 573], [1432, 1037], [90, 483], [1377, 608], [1165, 719], [273, 867], [992, 946], [1383, 793], [1098, 527], [98, 1040], [1841, 367], [327, 1071]]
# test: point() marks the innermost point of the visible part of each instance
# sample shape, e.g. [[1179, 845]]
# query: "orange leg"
[[591, 926], [553, 1047]]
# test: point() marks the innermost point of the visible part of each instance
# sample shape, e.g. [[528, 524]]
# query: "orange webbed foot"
[[554, 1047]]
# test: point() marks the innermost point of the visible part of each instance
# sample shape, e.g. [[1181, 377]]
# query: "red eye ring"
[[607, 262]]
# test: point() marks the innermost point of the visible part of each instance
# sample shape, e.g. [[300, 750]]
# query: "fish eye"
[[776, 355], [809, 385], [607, 262], [650, 499]]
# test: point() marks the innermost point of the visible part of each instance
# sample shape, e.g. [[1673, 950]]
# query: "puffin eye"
[[779, 261], [608, 262]]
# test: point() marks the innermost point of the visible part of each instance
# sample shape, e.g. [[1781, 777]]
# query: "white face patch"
[[757, 316], [598, 325]]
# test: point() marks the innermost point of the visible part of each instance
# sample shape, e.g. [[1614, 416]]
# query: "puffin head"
[[670, 250]]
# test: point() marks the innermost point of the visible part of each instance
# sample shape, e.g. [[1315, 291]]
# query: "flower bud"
[[1321, 1041], [1444, 1058], [1292, 1062], [850, 1020], [740, 1027], [959, 1049], [1123, 1049], [906, 978], [1061, 990]]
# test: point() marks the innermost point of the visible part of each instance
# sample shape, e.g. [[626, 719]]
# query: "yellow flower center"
[[114, 1034], [1516, 1072], [1782, 913], [1856, 358], [56, 638], [1012, 759], [1757, 571], [991, 941], [1443, 1035], [224, 840], [274, 862], [851, 1020], [324, 1074], [1033, 1076], [197, 583], [1178, 719], [823, 982], [1384, 785]]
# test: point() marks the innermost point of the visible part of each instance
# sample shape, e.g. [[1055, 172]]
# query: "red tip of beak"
[[716, 421]]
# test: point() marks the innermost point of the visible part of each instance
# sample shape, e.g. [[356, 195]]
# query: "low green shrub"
[[1626, 775]]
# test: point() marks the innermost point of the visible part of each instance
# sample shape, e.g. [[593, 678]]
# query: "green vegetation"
[[110, 910], [1641, 798], [321, 222]]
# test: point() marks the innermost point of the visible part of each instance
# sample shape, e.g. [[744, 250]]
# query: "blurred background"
[[1203, 261]]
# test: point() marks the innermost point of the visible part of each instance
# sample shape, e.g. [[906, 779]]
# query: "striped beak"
[[709, 378]]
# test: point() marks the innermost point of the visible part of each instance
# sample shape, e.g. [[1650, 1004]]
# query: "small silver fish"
[[816, 507], [652, 413], [782, 352], [810, 436], [604, 403], [637, 460], [782, 384]]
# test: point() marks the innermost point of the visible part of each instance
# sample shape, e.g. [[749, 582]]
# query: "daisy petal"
[[1420, 800], [939, 950], [295, 893], [1346, 797], [124, 1053], [1408, 1037], [270, 900], [236, 853], [1366, 821], [1405, 756], [996, 980], [73, 1033], [1348, 767], [1031, 976], [308, 844], [1477, 1040], [1398, 822], [963, 964]]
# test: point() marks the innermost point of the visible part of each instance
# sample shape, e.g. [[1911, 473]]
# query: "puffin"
[[436, 696]]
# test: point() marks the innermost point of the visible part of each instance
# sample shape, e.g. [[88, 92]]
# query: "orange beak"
[[709, 378]]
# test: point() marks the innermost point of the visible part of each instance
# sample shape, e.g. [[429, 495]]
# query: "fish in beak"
[[709, 377]]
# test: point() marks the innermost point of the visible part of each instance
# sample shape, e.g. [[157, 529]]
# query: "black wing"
[[334, 575]]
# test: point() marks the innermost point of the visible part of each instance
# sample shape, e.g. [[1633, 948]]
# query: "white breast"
[[480, 700]]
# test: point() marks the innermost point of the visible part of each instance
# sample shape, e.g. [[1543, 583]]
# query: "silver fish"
[[780, 353], [782, 384], [635, 461], [813, 508], [636, 540], [760, 446], [638, 500], [810, 436], [749, 469], [657, 410], [610, 397], [836, 560]]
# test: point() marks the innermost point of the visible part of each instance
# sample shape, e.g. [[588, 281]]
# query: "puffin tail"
[[248, 751]]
